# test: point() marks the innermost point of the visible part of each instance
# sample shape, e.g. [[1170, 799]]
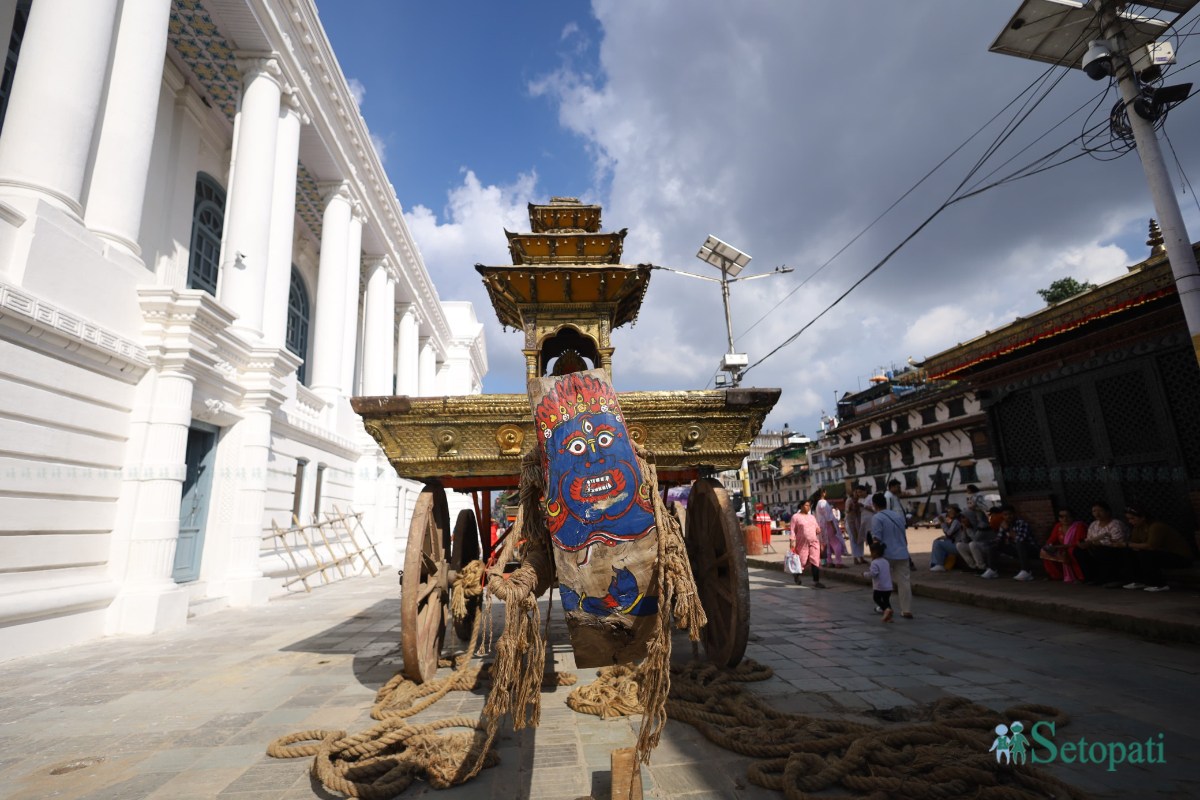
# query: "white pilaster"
[[330, 333], [408, 347], [283, 221], [248, 214], [427, 369], [378, 355], [117, 188], [242, 580], [144, 543], [55, 101], [353, 284]]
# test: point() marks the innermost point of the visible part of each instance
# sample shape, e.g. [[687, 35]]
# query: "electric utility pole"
[[1060, 32]]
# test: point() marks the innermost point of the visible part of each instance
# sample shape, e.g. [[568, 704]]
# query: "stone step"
[[203, 606]]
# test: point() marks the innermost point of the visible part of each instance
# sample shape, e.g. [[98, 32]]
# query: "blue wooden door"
[[193, 510]]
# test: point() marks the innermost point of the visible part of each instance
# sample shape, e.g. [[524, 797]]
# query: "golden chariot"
[[566, 291]]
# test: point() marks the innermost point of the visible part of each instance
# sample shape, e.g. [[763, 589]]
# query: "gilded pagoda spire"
[[566, 288]]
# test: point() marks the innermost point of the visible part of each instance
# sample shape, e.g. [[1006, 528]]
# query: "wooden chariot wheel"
[[717, 551], [424, 590], [465, 550]]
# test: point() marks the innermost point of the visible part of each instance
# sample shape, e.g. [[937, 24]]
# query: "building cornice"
[[59, 332]]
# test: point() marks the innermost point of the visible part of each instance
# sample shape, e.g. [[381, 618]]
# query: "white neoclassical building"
[[201, 260]]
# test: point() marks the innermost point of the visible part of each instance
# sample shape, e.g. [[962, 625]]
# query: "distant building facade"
[[931, 437], [201, 259], [1094, 398]]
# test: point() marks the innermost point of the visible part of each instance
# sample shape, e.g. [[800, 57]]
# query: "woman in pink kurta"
[[805, 541], [831, 537], [1058, 555]]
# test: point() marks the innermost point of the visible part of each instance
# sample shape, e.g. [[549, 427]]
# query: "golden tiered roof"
[[565, 264]]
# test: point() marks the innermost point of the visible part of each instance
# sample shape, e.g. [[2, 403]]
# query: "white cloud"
[[788, 151], [470, 230], [358, 91], [380, 147]]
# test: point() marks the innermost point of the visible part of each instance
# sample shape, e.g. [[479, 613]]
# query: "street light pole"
[[1166, 204], [1086, 33]]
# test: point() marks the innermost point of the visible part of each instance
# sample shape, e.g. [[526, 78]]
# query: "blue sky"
[[447, 88], [784, 128]]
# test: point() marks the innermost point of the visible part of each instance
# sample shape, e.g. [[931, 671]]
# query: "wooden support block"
[[626, 775]]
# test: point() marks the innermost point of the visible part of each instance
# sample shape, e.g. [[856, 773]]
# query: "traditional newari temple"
[[1094, 398]]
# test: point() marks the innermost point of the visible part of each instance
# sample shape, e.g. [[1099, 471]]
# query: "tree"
[[1063, 288]]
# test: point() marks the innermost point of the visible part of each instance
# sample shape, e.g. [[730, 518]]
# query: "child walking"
[[880, 574]]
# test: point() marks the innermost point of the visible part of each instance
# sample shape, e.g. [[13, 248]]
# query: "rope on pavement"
[[384, 760], [940, 750]]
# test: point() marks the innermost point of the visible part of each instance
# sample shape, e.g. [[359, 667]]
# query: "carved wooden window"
[[885, 427], [866, 433], [910, 481], [906, 452], [876, 462], [929, 415], [298, 320], [935, 447], [956, 407], [939, 479], [967, 474], [901, 424], [208, 223]]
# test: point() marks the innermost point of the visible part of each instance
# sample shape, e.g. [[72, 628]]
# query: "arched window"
[[208, 222], [20, 18], [297, 323]]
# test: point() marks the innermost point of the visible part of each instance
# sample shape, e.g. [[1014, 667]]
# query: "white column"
[[248, 215], [283, 222], [55, 101], [117, 189], [353, 282], [427, 369], [408, 346], [378, 356], [330, 333]]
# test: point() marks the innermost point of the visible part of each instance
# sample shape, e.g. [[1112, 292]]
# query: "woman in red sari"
[[1058, 554]]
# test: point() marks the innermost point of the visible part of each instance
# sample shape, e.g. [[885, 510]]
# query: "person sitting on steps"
[[1153, 547], [1015, 538], [946, 545]]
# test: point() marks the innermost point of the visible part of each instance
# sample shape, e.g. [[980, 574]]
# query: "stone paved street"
[[189, 714]]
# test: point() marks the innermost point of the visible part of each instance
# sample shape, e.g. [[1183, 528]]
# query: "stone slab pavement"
[[188, 714]]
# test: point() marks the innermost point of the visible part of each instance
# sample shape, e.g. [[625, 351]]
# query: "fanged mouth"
[[598, 489], [601, 484]]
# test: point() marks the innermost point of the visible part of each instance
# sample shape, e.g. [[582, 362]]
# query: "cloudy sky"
[[784, 128]]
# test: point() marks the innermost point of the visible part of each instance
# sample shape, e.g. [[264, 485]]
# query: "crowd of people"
[[877, 525], [981, 537], [1105, 552]]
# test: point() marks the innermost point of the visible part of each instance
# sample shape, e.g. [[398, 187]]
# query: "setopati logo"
[[1012, 746]]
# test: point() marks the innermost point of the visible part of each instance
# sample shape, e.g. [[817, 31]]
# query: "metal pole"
[[725, 300], [1170, 220]]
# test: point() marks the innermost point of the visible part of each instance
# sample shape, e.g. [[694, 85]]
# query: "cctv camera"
[[1098, 60]]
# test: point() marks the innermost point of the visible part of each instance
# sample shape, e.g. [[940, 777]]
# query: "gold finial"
[[1155, 241]]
